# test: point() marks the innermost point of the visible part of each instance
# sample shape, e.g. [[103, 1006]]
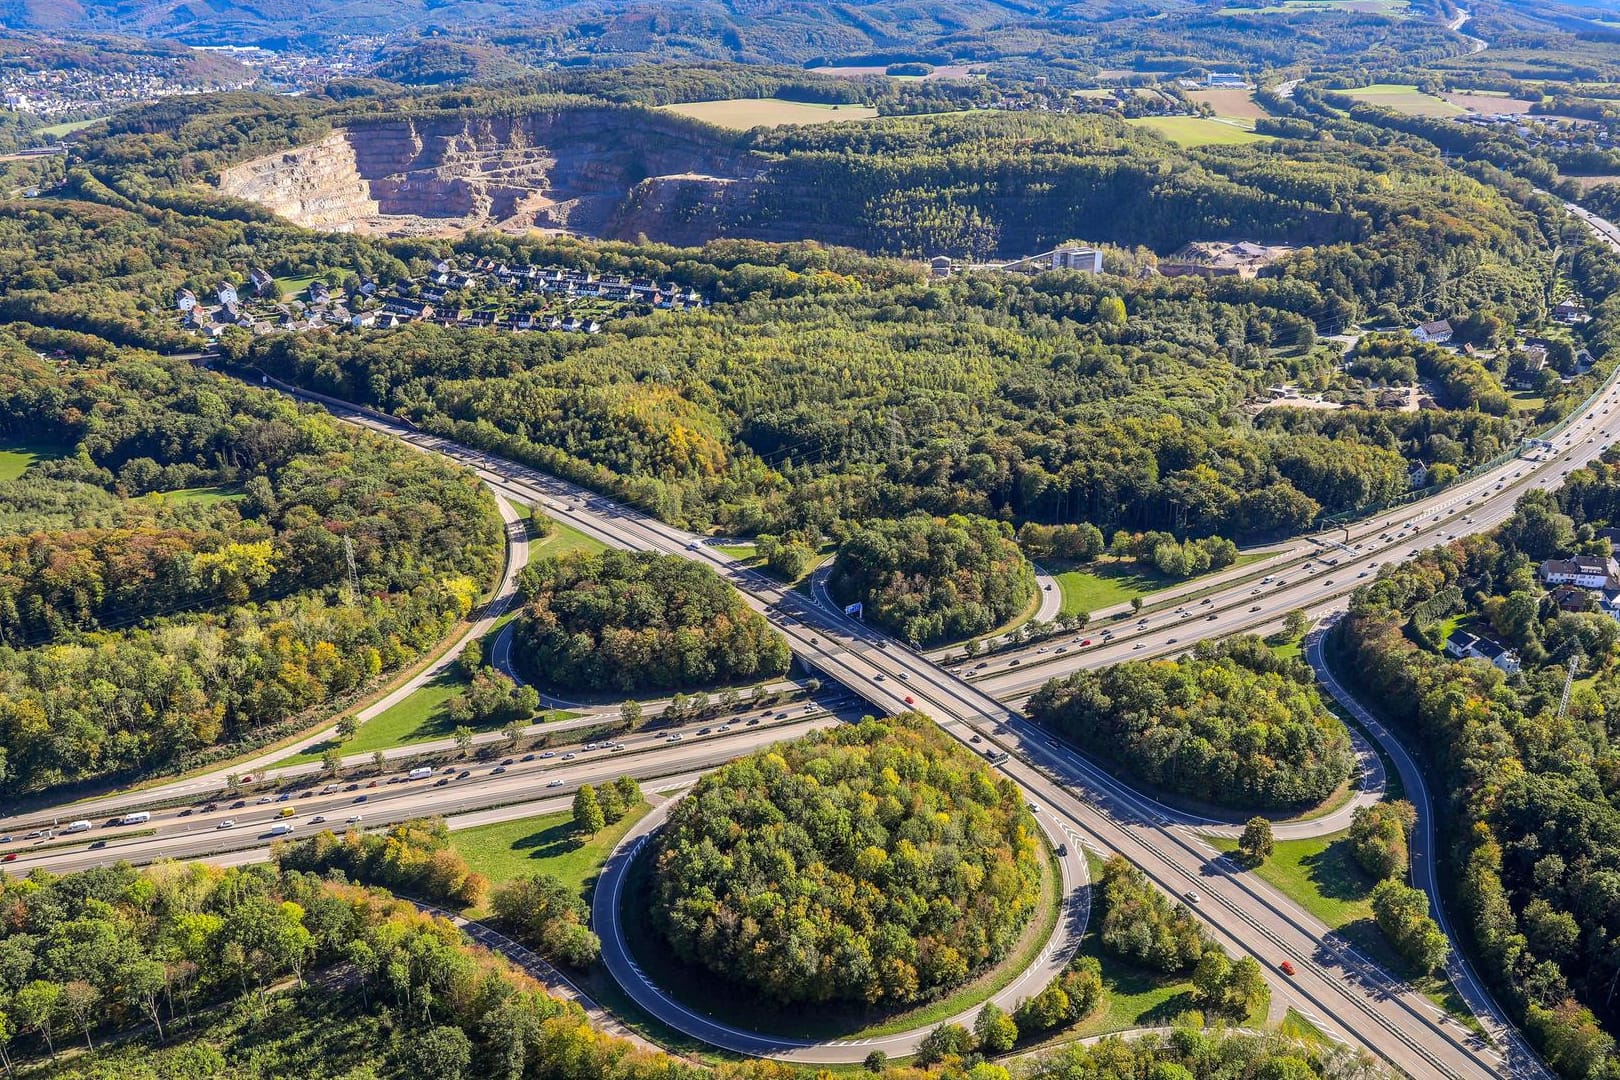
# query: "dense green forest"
[[877, 862], [935, 579], [1231, 724], [140, 629], [630, 621], [1528, 796]]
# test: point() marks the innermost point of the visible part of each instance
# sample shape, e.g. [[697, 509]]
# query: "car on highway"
[[528, 757], [1033, 808], [318, 819], [507, 761], [1087, 641], [361, 798], [568, 757], [238, 804], [352, 819], [910, 700], [977, 738], [441, 781], [905, 676], [878, 677], [1169, 641], [1192, 897], [548, 754], [1287, 968], [1256, 607], [1139, 645], [555, 783], [590, 746], [754, 721], [497, 770], [228, 823], [264, 799], [10, 856], [1014, 662]]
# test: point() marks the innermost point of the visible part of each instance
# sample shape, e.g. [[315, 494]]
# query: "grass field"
[[745, 113], [16, 457], [546, 844], [202, 496], [418, 718], [1136, 997], [564, 540], [1489, 102], [64, 129], [1229, 102], [1404, 98], [1106, 583], [1198, 131]]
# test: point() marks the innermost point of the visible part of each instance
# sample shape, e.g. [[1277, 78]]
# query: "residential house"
[[361, 319], [1571, 598], [1433, 333], [227, 294], [319, 293], [263, 283], [1465, 646], [185, 300], [1587, 571], [1569, 312], [410, 309]]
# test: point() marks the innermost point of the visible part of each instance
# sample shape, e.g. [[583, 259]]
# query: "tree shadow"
[[1334, 872], [1167, 1010], [548, 843]]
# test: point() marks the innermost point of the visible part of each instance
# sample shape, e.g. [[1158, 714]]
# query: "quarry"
[[611, 173]]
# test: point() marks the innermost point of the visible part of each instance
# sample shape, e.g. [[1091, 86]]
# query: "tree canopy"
[[639, 621], [1231, 724], [935, 579], [877, 862]]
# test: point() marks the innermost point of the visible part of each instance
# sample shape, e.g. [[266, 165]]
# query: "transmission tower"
[[354, 575], [1569, 683]]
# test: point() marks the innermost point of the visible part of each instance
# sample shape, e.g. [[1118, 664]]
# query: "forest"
[[934, 579], [1231, 724], [635, 621], [878, 862], [173, 573], [1528, 793]]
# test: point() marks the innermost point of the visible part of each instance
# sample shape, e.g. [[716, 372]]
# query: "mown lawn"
[[16, 457], [562, 540], [418, 718], [1103, 584], [545, 844]]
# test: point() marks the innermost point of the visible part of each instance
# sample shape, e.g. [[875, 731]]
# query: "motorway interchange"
[[1345, 994]]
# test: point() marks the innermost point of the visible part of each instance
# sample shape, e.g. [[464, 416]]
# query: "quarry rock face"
[[596, 171]]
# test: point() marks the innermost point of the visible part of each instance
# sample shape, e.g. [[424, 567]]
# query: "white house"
[[1587, 571], [1463, 645], [1433, 333]]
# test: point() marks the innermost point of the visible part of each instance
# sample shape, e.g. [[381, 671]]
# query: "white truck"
[[76, 827], [140, 817], [420, 773], [281, 828]]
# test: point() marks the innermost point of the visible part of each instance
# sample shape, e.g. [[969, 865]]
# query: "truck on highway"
[[76, 827], [139, 818], [281, 828], [421, 773]]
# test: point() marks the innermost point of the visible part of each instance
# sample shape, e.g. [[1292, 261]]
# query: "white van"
[[138, 818], [281, 828], [77, 827], [420, 773]]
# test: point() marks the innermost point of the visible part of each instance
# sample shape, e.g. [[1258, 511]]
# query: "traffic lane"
[[179, 833], [314, 772]]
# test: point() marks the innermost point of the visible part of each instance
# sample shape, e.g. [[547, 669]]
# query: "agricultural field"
[[1404, 98], [1199, 131], [67, 128], [745, 113], [1229, 102], [1488, 102]]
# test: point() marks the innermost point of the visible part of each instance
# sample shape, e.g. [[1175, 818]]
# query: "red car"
[[1287, 968], [910, 700], [1085, 642], [10, 856]]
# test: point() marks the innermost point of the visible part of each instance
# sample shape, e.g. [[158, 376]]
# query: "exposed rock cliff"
[[601, 172]]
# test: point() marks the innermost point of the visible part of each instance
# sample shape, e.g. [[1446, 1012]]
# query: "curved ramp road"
[[608, 922]]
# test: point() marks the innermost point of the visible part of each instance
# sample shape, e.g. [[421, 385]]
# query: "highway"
[[1342, 991]]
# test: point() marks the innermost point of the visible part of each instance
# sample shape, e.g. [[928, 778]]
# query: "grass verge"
[[546, 844]]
